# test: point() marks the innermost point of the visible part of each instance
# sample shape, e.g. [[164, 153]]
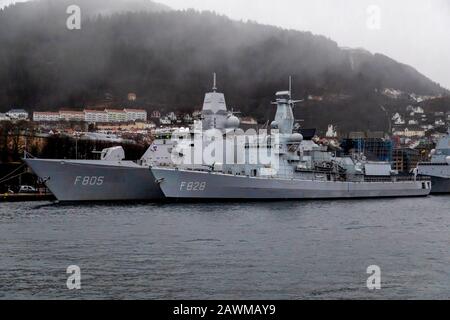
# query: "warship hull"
[[184, 184], [440, 185], [91, 180], [439, 174]]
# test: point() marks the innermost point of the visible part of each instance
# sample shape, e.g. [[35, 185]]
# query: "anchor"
[[159, 181]]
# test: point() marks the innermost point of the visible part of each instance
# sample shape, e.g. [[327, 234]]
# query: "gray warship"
[[303, 170], [108, 179], [439, 166], [112, 178]]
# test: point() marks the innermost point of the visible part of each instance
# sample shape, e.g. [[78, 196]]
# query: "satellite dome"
[[296, 137], [274, 125], [233, 122]]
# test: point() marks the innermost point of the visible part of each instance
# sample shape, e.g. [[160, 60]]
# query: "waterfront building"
[[115, 115], [373, 145], [331, 132], [17, 114], [46, 116], [135, 114], [187, 118], [172, 116], [69, 115], [405, 159], [93, 116], [155, 114], [165, 121], [132, 96], [409, 131]]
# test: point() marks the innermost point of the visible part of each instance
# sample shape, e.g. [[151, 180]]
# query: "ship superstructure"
[[439, 166], [298, 170], [114, 179]]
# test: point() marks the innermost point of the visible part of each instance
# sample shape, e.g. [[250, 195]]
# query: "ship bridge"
[[214, 111]]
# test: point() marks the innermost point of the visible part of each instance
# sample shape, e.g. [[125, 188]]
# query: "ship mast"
[[290, 87], [292, 102], [214, 82]]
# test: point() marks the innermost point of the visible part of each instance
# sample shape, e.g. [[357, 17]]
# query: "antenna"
[[292, 102], [215, 82], [290, 87]]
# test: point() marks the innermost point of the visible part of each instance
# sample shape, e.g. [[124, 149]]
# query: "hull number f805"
[[89, 180]]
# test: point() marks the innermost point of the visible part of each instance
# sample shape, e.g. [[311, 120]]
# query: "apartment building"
[[94, 116], [68, 115], [17, 114], [115, 115], [135, 114], [45, 116]]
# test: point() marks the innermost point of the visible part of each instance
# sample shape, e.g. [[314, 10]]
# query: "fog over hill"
[[91, 7], [167, 58]]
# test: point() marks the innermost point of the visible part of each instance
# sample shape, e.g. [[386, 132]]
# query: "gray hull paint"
[[440, 176], [440, 185], [124, 181], [182, 184]]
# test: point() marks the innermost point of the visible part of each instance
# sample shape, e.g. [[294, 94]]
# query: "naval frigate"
[[112, 178], [439, 166], [302, 171]]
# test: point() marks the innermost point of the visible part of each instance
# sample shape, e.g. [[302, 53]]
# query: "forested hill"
[[89, 7], [167, 58]]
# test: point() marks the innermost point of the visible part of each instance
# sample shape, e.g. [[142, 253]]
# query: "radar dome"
[[233, 122], [448, 160], [296, 137], [274, 125]]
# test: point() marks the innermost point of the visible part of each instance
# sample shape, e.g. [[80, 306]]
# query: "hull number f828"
[[193, 186], [89, 180]]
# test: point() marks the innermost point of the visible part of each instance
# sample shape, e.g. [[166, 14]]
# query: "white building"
[[410, 132], [165, 121], [115, 115], [397, 118], [45, 116], [197, 114], [188, 118], [331, 132], [71, 115], [415, 110], [132, 96], [135, 114], [17, 114], [4, 117], [149, 125], [93, 116], [172, 116], [156, 114]]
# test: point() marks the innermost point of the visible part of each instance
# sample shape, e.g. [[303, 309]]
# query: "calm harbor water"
[[280, 250]]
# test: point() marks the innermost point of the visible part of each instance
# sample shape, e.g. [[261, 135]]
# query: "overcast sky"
[[415, 32]]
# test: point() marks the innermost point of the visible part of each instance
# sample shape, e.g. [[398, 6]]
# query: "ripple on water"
[[280, 250]]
